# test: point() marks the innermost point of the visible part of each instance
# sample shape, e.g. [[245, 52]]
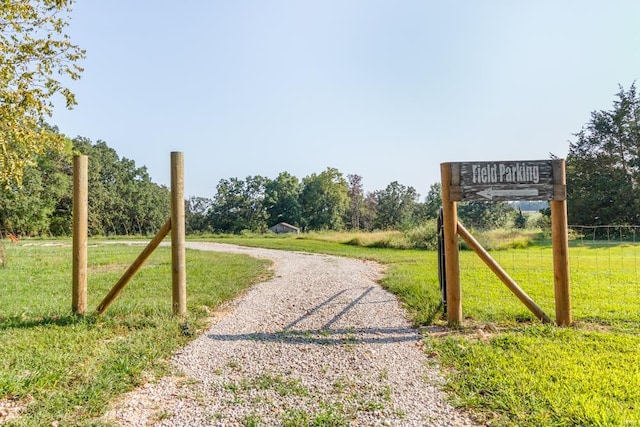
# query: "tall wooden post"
[[560, 242], [80, 233], [452, 263], [178, 254]]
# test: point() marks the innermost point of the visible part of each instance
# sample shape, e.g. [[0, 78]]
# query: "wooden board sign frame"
[[507, 180], [501, 181]]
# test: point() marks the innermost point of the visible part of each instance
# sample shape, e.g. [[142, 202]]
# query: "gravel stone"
[[320, 341]]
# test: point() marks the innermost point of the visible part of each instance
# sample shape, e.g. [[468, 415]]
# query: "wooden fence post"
[[452, 263], [80, 233], [178, 254], [560, 242]]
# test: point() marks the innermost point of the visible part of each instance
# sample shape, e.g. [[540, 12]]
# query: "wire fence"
[[605, 234], [604, 270]]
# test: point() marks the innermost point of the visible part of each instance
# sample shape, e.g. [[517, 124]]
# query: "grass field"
[[501, 364], [65, 369]]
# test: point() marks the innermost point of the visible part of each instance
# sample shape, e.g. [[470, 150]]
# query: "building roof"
[[286, 225]]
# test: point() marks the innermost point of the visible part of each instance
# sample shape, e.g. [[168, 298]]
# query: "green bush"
[[424, 236]]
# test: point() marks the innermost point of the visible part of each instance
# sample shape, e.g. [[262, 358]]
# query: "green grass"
[[545, 376], [502, 364], [605, 285], [64, 368], [325, 417], [267, 380], [420, 237]]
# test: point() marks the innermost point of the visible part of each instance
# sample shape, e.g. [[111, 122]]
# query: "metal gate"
[[442, 274]]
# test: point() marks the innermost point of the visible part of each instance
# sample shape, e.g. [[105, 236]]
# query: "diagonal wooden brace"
[[133, 268], [502, 275]]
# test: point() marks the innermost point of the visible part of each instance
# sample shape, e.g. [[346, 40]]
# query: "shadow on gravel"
[[325, 303], [326, 335]]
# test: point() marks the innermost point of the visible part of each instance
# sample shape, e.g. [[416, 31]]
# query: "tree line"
[[124, 201], [326, 201], [122, 197]]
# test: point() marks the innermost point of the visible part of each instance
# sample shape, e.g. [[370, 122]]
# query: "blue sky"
[[384, 89]]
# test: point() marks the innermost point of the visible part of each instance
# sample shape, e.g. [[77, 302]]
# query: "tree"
[[433, 201], [57, 176], [196, 209], [255, 213], [26, 212], [149, 204], [281, 198], [356, 201], [520, 220], [486, 215], [239, 205], [396, 206], [122, 197], [324, 200], [42, 203], [369, 212], [603, 165], [34, 52]]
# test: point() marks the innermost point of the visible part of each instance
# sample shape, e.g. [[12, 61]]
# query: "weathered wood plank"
[[506, 180]]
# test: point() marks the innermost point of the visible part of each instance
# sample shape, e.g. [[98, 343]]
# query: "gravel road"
[[320, 344]]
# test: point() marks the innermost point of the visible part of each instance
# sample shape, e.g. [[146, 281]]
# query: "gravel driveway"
[[320, 344]]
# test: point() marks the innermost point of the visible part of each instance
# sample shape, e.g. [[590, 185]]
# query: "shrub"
[[520, 220], [424, 236]]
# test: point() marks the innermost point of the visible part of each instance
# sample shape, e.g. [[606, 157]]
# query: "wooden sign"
[[506, 180]]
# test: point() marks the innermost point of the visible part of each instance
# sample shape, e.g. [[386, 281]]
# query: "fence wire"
[[604, 266], [604, 270]]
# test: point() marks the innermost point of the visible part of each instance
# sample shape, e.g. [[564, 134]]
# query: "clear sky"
[[386, 89]]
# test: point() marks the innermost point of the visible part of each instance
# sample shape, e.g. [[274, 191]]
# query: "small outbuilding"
[[283, 227]]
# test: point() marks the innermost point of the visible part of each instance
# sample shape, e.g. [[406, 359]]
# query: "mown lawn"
[[63, 369], [502, 364]]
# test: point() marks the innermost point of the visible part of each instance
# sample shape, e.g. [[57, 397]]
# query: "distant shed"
[[283, 227]]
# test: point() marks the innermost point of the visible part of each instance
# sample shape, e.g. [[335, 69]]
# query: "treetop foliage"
[[35, 56], [603, 165]]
